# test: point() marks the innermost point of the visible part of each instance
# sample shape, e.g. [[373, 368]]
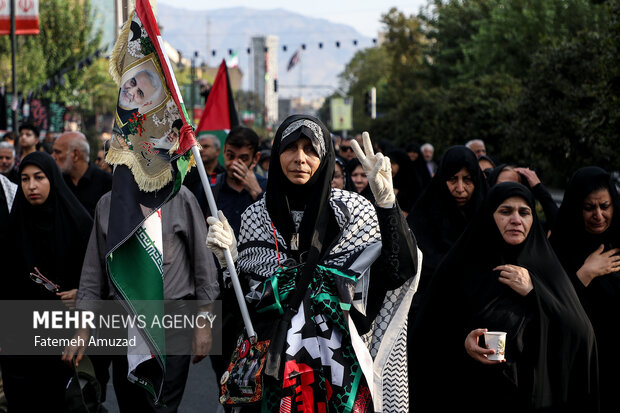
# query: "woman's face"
[[299, 161], [485, 164], [461, 187], [508, 175], [395, 168], [598, 210], [338, 180], [514, 219], [35, 185], [359, 178]]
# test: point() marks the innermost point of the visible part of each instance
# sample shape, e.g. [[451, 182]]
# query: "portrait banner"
[[151, 153], [150, 128]]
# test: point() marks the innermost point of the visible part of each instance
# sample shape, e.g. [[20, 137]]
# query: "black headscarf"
[[312, 197], [601, 299], [423, 176], [436, 219], [342, 164], [494, 174], [350, 186], [551, 360], [405, 180], [52, 236], [569, 237]]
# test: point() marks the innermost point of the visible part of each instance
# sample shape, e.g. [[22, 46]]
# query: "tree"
[[66, 38]]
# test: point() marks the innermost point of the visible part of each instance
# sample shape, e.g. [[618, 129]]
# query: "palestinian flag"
[[220, 114], [150, 151]]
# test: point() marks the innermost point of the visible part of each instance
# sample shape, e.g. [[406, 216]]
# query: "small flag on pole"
[[294, 60], [233, 60]]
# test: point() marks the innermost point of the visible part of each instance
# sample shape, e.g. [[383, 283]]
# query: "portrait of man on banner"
[[142, 91]]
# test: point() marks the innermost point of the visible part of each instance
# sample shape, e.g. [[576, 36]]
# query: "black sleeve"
[[548, 204], [398, 261]]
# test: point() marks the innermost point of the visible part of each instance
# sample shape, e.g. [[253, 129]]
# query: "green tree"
[[515, 30], [66, 37]]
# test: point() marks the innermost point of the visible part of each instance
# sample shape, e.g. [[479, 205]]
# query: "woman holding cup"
[[502, 276]]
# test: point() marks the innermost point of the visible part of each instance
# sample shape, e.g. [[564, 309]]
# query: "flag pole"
[[229, 261]]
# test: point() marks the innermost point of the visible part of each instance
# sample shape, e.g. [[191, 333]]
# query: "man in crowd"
[[477, 146], [211, 148], [345, 151], [88, 183], [428, 151], [210, 152], [28, 139], [238, 187], [188, 272], [8, 167]]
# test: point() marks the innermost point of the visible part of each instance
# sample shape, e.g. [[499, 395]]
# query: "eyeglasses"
[[346, 148], [40, 279]]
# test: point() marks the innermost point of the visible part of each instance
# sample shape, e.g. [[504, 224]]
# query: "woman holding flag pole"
[[327, 265]]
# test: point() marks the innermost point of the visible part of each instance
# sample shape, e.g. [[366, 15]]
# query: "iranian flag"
[[26, 17], [150, 149], [220, 114]]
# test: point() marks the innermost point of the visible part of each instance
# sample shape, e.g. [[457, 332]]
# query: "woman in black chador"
[[49, 231], [444, 209], [502, 275], [586, 239], [332, 272]]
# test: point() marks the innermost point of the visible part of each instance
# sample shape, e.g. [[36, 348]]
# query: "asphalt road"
[[201, 391]]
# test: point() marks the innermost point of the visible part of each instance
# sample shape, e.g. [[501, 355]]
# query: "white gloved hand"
[[220, 238], [378, 170]]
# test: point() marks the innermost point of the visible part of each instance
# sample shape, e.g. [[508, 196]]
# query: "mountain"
[[233, 28]]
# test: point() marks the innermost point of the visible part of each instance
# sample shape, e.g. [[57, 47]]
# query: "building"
[[110, 16], [265, 75]]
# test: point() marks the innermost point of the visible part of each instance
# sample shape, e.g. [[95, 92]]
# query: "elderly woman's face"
[[299, 161], [514, 219], [598, 210], [461, 187], [35, 185]]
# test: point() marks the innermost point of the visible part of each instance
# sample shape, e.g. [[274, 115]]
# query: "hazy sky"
[[364, 15]]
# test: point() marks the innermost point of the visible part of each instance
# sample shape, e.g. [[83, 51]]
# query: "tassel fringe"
[[120, 49]]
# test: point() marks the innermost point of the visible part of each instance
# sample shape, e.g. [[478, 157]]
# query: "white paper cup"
[[496, 340]]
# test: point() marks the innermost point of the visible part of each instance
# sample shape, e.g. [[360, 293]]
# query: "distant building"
[[299, 105], [110, 16], [265, 75]]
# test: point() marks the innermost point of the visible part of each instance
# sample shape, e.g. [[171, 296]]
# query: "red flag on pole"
[[220, 114]]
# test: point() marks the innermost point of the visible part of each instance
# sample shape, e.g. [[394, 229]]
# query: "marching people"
[[503, 276], [444, 209], [88, 183], [345, 259], [42, 260], [586, 239]]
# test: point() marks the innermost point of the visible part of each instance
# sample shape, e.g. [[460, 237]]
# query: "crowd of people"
[[374, 270]]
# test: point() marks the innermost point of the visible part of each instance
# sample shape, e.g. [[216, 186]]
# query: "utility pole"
[[193, 84], [14, 102]]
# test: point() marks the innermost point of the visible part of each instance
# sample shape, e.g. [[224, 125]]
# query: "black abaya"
[[52, 237], [550, 351], [601, 298]]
